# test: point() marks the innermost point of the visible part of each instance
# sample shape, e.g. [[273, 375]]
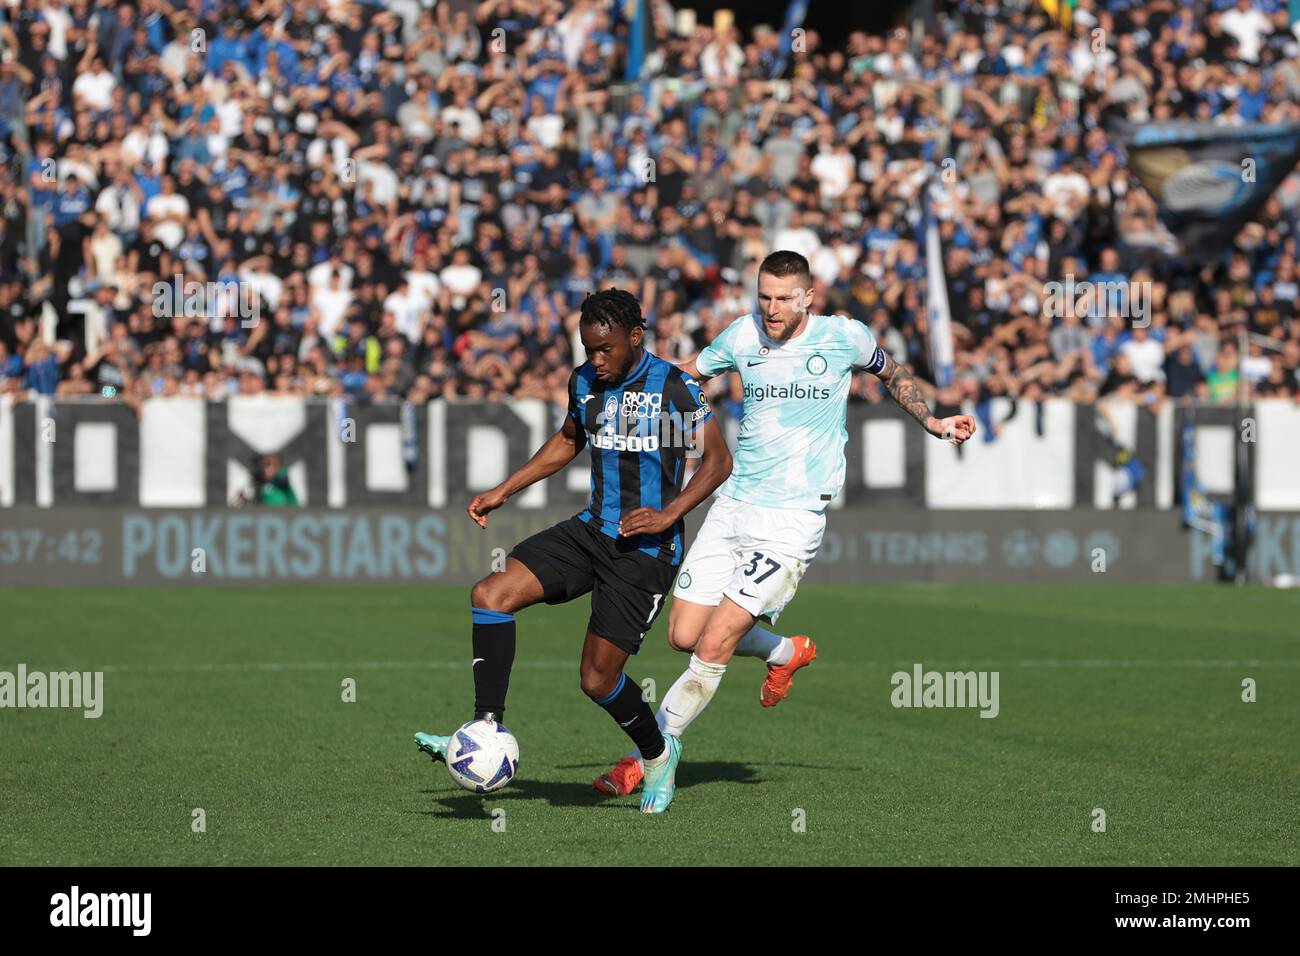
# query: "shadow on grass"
[[716, 771], [463, 805], [707, 771]]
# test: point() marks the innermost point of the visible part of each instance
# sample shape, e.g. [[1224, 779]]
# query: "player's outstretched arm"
[[715, 467], [906, 391], [693, 370], [560, 449]]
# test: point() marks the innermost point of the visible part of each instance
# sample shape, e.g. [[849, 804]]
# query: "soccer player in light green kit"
[[767, 523]]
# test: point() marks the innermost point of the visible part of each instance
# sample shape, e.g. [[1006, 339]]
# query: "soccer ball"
[[482, 756]]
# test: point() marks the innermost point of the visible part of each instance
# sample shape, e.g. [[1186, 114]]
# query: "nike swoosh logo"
[[628, 723], [752, 364], [747, 594], [477, 659]]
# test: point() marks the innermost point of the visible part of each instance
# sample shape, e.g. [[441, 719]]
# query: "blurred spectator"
[[270, 486]]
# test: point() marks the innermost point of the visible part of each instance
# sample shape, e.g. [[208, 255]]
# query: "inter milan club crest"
[[816, 364], [764, 350]]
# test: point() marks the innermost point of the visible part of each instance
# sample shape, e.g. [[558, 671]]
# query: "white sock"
[[760, 642], [687, 698]]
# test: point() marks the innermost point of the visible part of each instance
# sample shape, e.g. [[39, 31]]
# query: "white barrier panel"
[[186, 452], [6, 451], [173, 441], [1277, 456], [1017, 469]]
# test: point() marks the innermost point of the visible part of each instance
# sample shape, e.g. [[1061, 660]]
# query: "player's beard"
[[632, 359], [787, 329]]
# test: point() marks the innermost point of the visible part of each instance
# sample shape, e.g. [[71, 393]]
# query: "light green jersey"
[[791, 448]]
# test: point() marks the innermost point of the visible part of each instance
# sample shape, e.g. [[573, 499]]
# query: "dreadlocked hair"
[[610, 307]]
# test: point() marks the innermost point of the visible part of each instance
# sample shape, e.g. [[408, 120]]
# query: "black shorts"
[[628, 587]]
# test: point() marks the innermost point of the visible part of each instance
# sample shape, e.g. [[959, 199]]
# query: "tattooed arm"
[[906, 391]]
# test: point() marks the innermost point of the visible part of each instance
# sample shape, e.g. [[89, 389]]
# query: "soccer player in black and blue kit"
[[625, 547]]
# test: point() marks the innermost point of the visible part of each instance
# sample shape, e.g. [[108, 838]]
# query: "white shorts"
[[752, 554]]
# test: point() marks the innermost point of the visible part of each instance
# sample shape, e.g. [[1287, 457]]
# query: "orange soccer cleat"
[[622, 780], [781, 676]]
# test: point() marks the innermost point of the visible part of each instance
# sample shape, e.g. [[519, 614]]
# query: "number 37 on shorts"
[[752, 555]]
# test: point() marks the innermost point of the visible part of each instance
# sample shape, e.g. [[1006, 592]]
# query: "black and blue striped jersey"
[[638, 433]]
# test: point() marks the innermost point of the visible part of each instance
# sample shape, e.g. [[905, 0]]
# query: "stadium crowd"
[[410, 199]]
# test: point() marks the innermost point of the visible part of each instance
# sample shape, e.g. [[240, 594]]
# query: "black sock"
[[494, 653], [634, 715]]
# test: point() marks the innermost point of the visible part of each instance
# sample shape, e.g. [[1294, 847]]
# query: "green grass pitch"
[[1117, 697]]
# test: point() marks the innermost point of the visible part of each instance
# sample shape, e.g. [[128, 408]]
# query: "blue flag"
[[636, 40], [1199, 512], [794, 15], [937, 313]]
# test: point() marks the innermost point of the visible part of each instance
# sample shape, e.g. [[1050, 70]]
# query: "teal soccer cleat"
[[433, 745], [660, 780]]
